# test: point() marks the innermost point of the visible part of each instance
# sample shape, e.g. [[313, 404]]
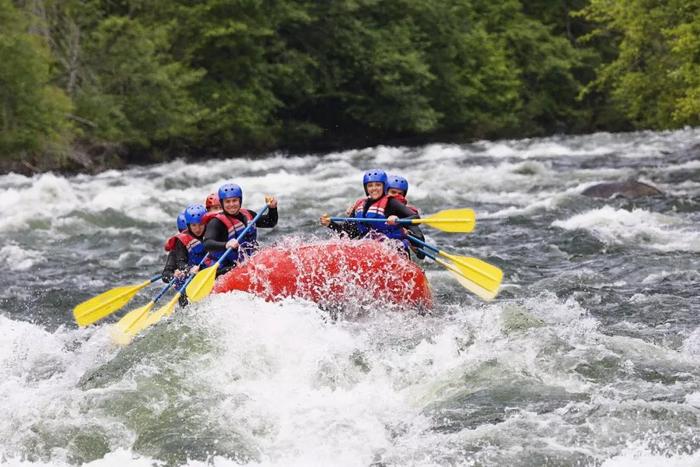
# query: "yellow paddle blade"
[[153, 318], [121, 332], [202, 284], [451, 220], [479, 285], [486, 275], [130, 319], [105, 304]]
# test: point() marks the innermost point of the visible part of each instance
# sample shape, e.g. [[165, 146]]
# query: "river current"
[[590, 355]]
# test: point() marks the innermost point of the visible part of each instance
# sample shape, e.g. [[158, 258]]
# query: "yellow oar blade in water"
[[146, 320], [121, 332], [105, 304], [451, 220], [162, 312], [467, 282], [125, 330], [202, 284], [153, 318], [485, 275]]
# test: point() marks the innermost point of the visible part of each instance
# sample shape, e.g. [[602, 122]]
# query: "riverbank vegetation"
[[86, 84]]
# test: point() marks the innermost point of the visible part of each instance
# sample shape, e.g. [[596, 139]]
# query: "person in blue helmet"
[[181, 227], [223, 229], [188, 250], [378, 205], [397, 187]]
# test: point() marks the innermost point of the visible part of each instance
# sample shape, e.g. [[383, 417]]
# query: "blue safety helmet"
[[230, 190], [194, 214], [181, 222], [374, 175], [397, 182]]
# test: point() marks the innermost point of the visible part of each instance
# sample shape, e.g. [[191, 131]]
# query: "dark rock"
[[629, 189]]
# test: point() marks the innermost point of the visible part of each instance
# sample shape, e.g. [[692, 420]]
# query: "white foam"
[[640, 456], [38, 382], [691, 345], [17, 258], [637, 227]]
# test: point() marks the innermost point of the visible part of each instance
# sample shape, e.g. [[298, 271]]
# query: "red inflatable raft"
[[335, 272]]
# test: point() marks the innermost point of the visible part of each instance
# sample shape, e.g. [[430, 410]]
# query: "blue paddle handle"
[[191, 276], [245, 231], [163, 290], [422, 243], [426, 253], [156, 278], [172, 282], [362, 219]]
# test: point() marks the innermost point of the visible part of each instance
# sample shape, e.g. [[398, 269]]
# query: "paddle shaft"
[[240, 237], [191, 276], [163, 290], [422, 243], [157, 277], [362, 219], [442, 263]]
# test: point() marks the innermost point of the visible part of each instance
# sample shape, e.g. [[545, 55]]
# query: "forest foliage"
[[210, 77]]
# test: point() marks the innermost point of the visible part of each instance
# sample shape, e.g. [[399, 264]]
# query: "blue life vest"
[[234, 228], [376, 211], [195, 249]]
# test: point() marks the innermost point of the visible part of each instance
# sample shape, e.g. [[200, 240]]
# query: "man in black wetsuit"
[[223, 229]]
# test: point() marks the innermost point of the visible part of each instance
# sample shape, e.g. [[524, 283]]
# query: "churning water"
[[590, 355]]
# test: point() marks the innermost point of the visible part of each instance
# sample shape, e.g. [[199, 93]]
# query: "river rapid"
[[590, 356]]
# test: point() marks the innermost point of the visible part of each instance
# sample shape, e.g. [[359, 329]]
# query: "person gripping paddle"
[[224, 227], [379, 206]]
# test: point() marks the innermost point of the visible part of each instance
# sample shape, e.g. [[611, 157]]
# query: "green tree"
[[653, 76], [131, 89], [32, 111]]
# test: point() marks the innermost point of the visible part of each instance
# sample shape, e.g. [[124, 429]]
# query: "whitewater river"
[[589, 356]]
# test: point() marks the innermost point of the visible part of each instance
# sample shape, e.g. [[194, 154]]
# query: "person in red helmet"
[[212, 203], [213, 206]]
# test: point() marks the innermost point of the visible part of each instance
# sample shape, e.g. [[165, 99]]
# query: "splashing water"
[[589, 356]]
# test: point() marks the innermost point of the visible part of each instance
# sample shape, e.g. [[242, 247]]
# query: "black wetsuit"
[[216, 234], [178, 259]]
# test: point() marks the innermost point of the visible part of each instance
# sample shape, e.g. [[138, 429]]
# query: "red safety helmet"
[[212, 201]]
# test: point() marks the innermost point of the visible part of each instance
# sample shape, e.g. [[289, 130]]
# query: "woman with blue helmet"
[[378, 205], [223, 229], [188, 249]]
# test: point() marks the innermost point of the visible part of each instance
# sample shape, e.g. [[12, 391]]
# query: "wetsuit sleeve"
[[170, 267], [215, 236], [177, 259], [267, 220], [396, 208]]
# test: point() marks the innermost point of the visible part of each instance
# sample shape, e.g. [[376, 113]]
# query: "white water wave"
[[639, 455], [17, 258], [638, 227]]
